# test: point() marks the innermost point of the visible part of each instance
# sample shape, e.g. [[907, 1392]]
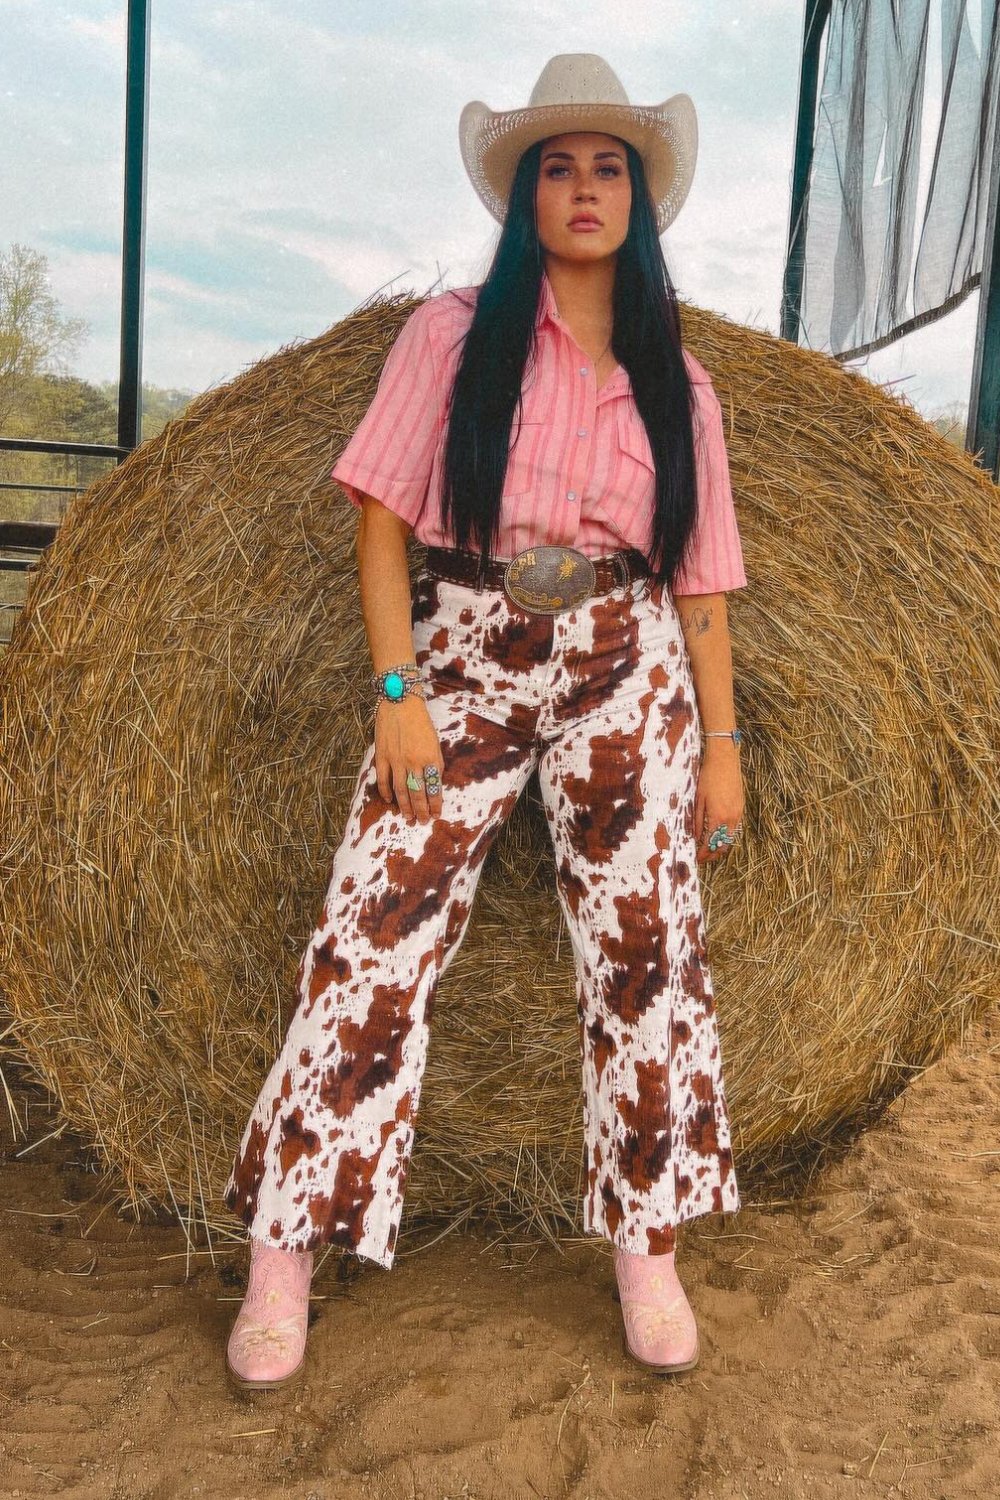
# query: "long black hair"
[[646, 340]]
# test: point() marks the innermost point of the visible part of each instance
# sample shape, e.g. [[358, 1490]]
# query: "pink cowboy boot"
[[268, 1340], [660, 1328]]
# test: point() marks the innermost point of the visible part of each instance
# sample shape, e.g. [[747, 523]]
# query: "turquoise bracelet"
[[396, 682]]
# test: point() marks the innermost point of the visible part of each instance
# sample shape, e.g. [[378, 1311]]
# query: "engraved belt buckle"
[[545, 580]]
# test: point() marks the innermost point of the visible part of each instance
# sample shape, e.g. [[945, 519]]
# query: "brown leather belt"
[[542, 579]]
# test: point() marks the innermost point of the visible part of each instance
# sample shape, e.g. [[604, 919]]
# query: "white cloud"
[[103, 32]]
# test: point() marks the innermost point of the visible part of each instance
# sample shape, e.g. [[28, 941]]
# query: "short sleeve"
[[714, 562], [391, 453]]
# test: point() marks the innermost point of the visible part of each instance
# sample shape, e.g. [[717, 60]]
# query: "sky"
[[303, 155]]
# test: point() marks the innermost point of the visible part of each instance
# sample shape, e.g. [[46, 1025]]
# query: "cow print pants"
[[600, 699]]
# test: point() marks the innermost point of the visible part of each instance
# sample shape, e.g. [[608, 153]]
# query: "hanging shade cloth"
[[899, 190]]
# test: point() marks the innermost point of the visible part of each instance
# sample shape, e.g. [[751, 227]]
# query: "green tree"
[[951, 422], [35, 336]]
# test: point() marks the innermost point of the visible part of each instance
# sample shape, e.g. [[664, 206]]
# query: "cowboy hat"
[[579, 91]]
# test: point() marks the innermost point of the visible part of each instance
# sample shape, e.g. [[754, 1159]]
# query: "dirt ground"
[[850, 1342]]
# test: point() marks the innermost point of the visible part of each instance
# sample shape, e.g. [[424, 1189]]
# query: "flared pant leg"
[[618, 778], [325, 1152]]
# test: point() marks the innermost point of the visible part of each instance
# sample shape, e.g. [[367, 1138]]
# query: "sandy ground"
[[850, 1342]]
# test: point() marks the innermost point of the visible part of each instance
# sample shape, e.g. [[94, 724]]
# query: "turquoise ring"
[[721, 837]]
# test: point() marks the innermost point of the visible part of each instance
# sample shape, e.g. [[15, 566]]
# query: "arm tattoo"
[[698, 617]]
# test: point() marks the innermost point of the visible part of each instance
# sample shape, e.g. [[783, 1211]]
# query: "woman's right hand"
[[405, 740]]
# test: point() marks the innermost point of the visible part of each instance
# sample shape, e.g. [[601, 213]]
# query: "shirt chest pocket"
[[530, 448], [635, 452], [627, 498]]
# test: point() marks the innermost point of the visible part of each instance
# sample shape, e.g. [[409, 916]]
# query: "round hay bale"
[[185, 704]]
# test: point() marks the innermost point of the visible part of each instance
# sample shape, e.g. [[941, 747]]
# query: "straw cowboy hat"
[[579, 91]]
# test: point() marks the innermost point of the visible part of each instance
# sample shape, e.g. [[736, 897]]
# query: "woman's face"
[[583, 173]]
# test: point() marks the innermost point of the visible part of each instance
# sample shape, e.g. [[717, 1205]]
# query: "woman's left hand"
[[719, 798]]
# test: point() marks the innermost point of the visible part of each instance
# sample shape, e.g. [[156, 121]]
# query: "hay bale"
[[184, 710]]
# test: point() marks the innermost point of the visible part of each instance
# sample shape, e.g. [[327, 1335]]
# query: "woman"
[[562, 456]]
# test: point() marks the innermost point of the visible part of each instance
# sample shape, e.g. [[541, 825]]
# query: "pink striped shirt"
[[580, 471]]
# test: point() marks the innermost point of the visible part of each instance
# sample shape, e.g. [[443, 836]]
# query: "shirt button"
[[581, 432], [571, 494], [583, 369]]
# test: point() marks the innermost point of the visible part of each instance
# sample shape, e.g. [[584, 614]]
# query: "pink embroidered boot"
[[660, 1328], [268, 1340]]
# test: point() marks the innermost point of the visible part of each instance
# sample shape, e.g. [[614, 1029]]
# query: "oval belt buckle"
[[547, 579]]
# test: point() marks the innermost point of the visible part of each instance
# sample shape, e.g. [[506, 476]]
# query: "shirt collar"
[[549, 311], [547, 302]]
